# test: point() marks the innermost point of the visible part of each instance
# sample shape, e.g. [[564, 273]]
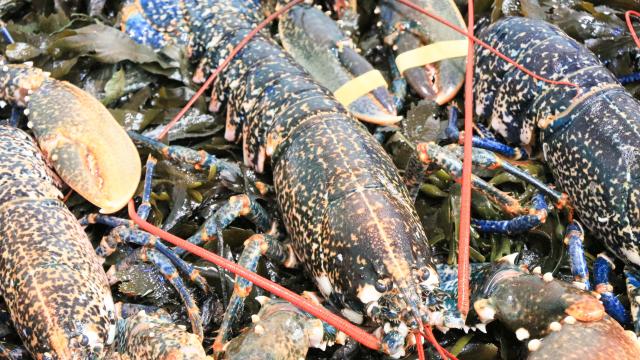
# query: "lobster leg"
[[489, 160], [237, 206], [255, 247], [487, 142], [574, 239], [537, 216], [145, 206], [601, 269], [448, 159], [199, 159], [431, 152], [156, 253], [133, 236]]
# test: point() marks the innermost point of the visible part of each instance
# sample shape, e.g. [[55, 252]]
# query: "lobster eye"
[[426, 274], [381, 285]]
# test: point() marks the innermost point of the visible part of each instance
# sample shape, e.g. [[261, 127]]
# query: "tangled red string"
[[627, 17]]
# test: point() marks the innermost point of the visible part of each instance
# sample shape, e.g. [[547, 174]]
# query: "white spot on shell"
[[315, 332], [547, 277], [534, 344], [368, 294], [537, 270], [511, 258], [485, 311], [262, 299], [631, 255], [324, 285], [555, 326], [569, 320], [522, 334], [258, 329], [482, 327]]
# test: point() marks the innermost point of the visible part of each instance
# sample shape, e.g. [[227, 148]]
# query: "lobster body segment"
[[55, 288], [590, 135]]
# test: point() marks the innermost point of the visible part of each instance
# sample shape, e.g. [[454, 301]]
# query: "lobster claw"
[[316, 42], [406, 29], [88, 149]]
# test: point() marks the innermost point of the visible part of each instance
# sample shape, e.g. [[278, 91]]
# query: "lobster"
[[54, 286], [594, 162], [56, 291], [375, 264]]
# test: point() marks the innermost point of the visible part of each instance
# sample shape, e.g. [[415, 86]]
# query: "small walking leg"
[[537, 216], [574, 239], [601, 269], [482, 142]]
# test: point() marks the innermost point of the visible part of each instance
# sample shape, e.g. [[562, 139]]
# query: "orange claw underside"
[[88, 149], [586, 309]]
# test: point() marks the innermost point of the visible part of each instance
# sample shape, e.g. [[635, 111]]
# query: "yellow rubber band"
[[431, 53], [359, 86]]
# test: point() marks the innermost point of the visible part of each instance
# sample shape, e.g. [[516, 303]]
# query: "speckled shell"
[[283, 332], [149, 337], [590, 136], [599, 340], [51, 279], [349, 216], [343, 202]]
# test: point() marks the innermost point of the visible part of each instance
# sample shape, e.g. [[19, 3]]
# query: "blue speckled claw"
[[574, 239], [148, 22], [601, 269]]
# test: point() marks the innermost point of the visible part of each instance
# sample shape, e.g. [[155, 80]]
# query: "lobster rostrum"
[[373, 264], [590, 134]]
